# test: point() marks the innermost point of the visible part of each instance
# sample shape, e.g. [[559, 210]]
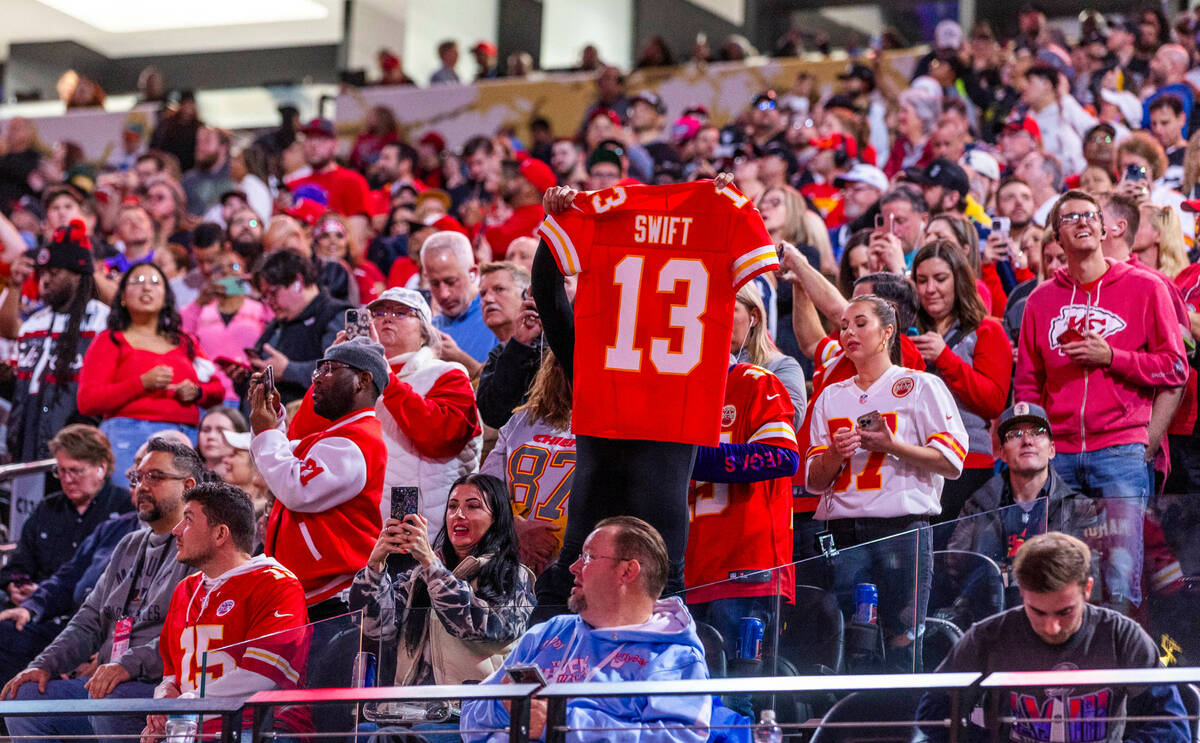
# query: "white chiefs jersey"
[[919, 410]]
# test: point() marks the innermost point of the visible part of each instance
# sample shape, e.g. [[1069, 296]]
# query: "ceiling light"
[[129, 16]]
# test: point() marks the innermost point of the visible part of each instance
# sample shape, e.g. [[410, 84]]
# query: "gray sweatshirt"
[[139, 580]]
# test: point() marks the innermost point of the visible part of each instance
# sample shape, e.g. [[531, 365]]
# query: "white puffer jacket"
[[406, 466]]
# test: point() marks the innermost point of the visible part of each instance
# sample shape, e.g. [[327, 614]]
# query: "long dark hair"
[[170, 326], [68, 343], [498, 576], [968, 308]]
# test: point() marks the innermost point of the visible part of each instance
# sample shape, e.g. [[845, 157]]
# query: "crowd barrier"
[[873, 707]]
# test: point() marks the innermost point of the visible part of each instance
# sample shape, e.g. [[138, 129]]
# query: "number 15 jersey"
[[659, 268]]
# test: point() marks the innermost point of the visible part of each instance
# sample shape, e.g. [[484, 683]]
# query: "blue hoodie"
[[567, 649]]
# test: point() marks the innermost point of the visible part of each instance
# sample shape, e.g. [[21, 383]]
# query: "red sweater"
[[982, 385], [110, 383], [327, 488]]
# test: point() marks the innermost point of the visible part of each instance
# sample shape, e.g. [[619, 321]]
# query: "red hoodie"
[[1091, 408]]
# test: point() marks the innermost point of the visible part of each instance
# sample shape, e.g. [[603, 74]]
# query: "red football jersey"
[[659, 268], [744, 525], [262, 603]]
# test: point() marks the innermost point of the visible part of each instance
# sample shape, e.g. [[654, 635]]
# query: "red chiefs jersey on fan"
[[241, 619], [659, 267], [742, 526]]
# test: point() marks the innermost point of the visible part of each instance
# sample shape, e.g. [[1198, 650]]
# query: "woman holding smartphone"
[[226, 320], [470, 576], [969, 351], [882, 444]]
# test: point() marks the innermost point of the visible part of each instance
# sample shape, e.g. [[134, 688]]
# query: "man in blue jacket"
[[620, 631]]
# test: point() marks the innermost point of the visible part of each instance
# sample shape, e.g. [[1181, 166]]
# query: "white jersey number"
[[623, 355]]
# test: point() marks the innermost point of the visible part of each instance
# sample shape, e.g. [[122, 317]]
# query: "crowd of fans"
[[255, 345]]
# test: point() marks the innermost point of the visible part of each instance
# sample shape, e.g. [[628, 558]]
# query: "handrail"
[[518, 696], [557, 695], [228, 708], [8, 471]]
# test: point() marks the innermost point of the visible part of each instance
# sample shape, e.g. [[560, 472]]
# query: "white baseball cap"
[[863, 173], [407, 297], [982, 163]]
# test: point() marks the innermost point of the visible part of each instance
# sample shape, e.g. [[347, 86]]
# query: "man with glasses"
[[55, 529], [1024, 499], [1097, 343], [327, 484], [120, 621], [620, 630]]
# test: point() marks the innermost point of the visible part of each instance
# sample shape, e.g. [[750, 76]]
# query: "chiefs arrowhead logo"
[[728, 414], [1084, 319]]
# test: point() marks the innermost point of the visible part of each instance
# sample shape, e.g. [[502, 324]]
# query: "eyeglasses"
[[395, 314], [1101, 138], [1039, 432], [588, 557], [232, 268], [72, 472], [328, 367], [143, 278], [1076, 217], [765, 105], [153, 478]]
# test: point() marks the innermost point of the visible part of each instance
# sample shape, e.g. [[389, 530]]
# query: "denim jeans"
[[1119, 476], [55, 726], [127, 434]]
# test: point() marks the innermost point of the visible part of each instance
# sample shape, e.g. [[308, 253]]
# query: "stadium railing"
[[227, 709]]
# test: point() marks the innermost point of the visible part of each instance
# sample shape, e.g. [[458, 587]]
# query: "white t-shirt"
[[920, 411]]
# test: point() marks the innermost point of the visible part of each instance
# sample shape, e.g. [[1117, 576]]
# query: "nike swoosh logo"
[[772, 397], [281, 616]]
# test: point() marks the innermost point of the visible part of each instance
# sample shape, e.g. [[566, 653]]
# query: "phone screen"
[[268, 381], [526, 675], [404, 502]]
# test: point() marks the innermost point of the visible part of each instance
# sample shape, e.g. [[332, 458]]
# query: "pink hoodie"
[[1092, 408]]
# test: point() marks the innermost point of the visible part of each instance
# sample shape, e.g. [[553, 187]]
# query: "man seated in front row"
[[1057, 629], [227, 629], [621, 631]]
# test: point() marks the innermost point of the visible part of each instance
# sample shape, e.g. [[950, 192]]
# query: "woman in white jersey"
[[881, 445]]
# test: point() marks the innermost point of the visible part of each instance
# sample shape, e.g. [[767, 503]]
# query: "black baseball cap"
[[944, 173]]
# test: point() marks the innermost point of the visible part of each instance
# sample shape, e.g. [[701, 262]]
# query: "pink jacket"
[[218, 339], [1092, 408]]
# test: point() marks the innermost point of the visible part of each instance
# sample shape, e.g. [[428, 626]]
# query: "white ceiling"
[[31, 20]]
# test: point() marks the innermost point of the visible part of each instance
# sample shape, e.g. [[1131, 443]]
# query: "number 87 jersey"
[[919, 410], [659, 268]]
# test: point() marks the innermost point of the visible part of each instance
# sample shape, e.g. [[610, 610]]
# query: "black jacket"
[[303, 340], [505, 380]]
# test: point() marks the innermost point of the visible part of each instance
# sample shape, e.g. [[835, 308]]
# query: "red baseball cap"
[[449, 224], [1017, 122], [306, 210], [538, 173], [434, 140], [486, 47]]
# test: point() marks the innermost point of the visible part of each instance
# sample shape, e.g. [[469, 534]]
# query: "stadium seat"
[[939, 637], [714, 649], [811, 631], [967, 586], [872, 707]]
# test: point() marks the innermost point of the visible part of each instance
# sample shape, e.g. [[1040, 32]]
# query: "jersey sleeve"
[[819, 439], [938, 422], [752, 251], [282, 637], [773, 414], [569, 234]]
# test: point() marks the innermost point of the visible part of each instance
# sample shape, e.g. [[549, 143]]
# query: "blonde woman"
[[752, 344], [1159, 241], [788, 219]]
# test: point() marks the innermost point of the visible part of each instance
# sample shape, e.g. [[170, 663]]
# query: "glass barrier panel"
[[318, 655], [1172, 563]]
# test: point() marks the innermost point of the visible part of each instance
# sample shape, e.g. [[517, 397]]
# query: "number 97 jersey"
[[659, 268]]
